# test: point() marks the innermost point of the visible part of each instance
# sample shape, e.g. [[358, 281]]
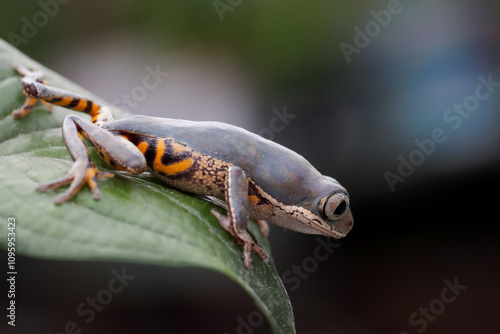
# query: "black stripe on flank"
[[136, 138], [55, 99], [150, 153], [170, 156]]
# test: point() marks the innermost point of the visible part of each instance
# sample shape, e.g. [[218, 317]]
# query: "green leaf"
[[138, 219]]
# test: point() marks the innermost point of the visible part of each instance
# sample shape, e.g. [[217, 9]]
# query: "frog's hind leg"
[[238, 208], [35, 88], [118, 152]]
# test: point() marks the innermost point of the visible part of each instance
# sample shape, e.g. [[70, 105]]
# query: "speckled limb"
[[238, 208]]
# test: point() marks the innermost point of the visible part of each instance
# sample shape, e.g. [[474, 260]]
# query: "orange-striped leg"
[[60, 97], [35, 88]]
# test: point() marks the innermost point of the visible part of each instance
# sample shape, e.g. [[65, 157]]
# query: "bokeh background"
[[352, 120]]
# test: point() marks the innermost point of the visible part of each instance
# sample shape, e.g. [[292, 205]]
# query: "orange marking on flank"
[[177, 167], [143, 146], [253, 199], [160, 149], [173, 168]]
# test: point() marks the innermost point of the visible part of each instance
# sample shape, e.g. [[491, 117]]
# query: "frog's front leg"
[[238, 208], [117, 151]]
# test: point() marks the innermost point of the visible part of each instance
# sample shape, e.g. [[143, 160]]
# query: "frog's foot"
[[80, 173], [34, 75], [27, 106], [243, 238]]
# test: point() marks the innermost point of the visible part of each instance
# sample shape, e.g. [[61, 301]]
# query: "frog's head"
[[330, 212], [324, 210]]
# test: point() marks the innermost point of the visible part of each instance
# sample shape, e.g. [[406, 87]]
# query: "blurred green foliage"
[[288, 41]]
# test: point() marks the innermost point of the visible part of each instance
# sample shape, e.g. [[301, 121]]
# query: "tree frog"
[[256, 177]]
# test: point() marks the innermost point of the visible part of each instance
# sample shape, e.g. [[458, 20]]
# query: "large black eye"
[[334, 206]]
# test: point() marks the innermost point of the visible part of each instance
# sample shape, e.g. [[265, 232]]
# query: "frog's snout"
[[346, 223]]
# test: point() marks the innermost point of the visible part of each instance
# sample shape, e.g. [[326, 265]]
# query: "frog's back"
[[276, 169]]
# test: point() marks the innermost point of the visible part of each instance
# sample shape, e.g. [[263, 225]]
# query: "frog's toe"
[[47, 105], [250, 246], [244, 239], [260, 252], [25, 109]]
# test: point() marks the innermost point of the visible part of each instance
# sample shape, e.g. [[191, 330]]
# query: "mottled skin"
[[280, 172], [256, 177]]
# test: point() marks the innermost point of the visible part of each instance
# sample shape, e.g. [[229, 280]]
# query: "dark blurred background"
[[355, 118]]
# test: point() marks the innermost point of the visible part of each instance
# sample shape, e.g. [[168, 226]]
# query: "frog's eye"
[[334, 206]]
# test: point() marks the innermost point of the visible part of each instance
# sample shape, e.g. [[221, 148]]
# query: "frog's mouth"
[[335, 228], [345, 224]]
